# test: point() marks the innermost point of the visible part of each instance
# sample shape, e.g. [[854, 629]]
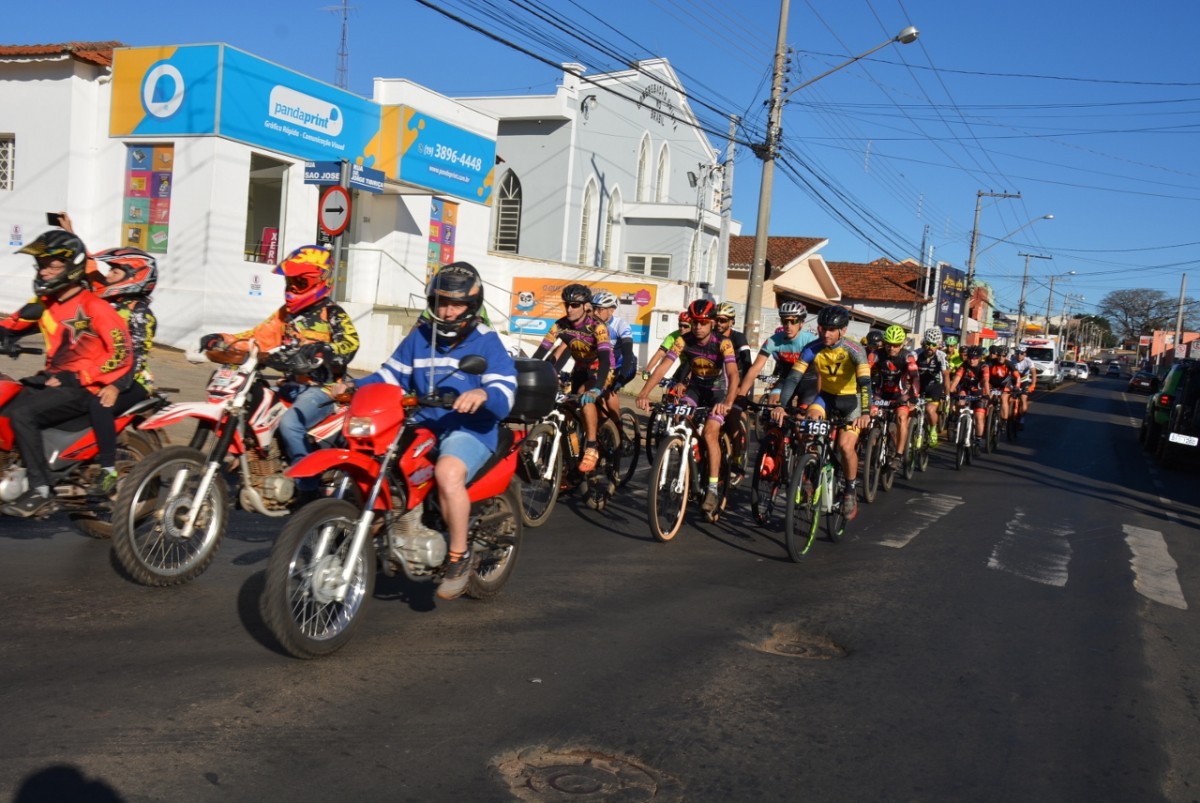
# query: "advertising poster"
[[537, 304], [952, 292], [149, 175], [443, 223]]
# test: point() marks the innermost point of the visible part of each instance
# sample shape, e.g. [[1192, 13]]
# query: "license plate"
[[1186, 440], [223, 377]]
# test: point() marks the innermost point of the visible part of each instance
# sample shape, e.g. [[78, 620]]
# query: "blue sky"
[[1089, 110]]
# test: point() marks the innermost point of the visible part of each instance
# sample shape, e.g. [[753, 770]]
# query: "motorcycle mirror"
[[473, 364]]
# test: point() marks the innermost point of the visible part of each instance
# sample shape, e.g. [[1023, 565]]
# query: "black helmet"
[[457, 283], [873, 339], [833, 318], [63, 245], [995, 351], [974, 352], [702, 309], [576, 294]]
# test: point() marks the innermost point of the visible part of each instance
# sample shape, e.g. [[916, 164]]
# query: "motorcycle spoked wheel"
[[147, 520], [303, 572], [496, 544], [132, 448]]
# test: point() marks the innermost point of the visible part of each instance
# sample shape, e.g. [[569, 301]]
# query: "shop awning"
[[987, 333]]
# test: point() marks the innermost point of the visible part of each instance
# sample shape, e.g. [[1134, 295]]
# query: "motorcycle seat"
[[503, 445]]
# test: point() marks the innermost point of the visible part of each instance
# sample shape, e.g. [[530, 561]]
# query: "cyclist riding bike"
[[785, 346], [712, 381], [872, 343], [971, 379], [955, 355], [933, 378], [1002, 376], [683, 326], [895, 377], [604, 307], [1028, 383], [725, 318], [588, 340], [845, 389]]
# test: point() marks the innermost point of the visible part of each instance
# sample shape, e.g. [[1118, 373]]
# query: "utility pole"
[[727, 198], [1179, 315], [1050, 300], [1021, 303], [972, 253]]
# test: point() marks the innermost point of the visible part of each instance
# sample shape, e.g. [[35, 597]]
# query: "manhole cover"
[[538, 775], [793, 642]]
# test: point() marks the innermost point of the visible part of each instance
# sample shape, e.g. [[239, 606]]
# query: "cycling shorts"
[[701, 396], [845, 406]]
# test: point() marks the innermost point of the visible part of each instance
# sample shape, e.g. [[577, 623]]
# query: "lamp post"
[[766, 152], [975, 252], [1050, 298], [1024, 281]]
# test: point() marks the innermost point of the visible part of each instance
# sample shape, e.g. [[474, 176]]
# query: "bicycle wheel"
[[802, 508], [870, 465], [631, 444], [962, 435], [923, 452], [990, 428], [769, 480], [914, 443], [539, 487], [669, 485], [835, 520], [887, 474]]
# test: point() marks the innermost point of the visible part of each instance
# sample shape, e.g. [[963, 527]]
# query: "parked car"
[[1162, 401], [1143, 382], [1114, 369], [1074, 370], [1180, 437]]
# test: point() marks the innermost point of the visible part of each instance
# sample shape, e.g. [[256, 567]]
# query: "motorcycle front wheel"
[[152, 506], [300, 604], [496, 542]]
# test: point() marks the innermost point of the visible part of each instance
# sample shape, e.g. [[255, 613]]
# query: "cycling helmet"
[[1021, 349], [456, 283], [951, 341], [974, 352], [894, 335], [685, 319], [702, 310], [833, 318], [793, 308], [63, 245], [933, 336], [576, 294], [306, 271], [873, 339], [726, 310], [140, 269], [604, 300], [995, 351]]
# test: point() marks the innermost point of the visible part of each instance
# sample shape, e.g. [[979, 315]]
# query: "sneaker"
[[896, 461], [735, 478], [454, 581], [590, 456], [710, 500], [31, 503], [933, 439], [850, 504], [104, 484]]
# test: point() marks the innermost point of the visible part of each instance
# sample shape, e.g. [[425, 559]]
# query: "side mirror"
[[473, 364]]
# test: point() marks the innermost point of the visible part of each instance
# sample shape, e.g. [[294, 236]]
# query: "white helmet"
[[933, 336], [603, 299]]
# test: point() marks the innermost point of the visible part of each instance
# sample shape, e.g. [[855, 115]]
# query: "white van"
[[1047, 359]]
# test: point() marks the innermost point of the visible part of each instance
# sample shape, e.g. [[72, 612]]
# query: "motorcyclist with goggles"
[[87, 349], [319, 341]]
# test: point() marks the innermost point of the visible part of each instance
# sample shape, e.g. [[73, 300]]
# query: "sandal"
[[588, 462]]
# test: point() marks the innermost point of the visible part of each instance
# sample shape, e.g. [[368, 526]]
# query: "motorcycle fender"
[[363, 469], [174, 413]]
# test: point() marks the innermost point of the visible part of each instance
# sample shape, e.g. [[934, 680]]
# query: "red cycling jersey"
[[84, 336]]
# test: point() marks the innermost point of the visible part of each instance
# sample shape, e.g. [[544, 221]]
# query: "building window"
[[612, 221], [585, 223], [508, 215], [264, 208], [664, 164], [8, 160], [643, 170], [649, 265]]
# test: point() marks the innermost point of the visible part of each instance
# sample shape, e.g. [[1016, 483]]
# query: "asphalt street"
[[1017, 630]]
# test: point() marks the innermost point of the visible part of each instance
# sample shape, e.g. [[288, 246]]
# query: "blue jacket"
[[409, 365]]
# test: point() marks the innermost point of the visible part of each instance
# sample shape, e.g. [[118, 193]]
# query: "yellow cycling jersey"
[[840, 366]]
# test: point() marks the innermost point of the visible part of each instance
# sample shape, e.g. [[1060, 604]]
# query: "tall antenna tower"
[[342, 80]]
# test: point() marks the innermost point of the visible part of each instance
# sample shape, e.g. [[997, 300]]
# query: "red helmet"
[[307, 271], [139, 268], [684, 317], [702, 309]]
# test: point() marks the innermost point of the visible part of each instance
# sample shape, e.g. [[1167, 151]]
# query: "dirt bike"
[[321, 572], [172, 511], [71, 456]]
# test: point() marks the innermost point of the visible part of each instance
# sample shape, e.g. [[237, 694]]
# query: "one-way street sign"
[[333, 214]]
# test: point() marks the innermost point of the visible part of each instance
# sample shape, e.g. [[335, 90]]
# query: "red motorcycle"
[[172, 511], [71, 455], [321, 571]]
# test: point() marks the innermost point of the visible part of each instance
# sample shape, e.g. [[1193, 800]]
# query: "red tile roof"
[[98, 53], [780, 250], [881, 280]]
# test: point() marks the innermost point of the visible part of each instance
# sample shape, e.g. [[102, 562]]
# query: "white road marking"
[[1040, 554], [1153, 567], [926, 510]]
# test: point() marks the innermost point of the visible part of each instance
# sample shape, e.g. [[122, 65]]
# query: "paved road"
[[1020, 630]]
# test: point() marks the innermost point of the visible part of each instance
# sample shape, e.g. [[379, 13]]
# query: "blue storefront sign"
[[952, 294], [444, 157]]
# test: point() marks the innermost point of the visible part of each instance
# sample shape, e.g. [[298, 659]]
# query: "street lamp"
[[1050, 298], [974, 254], [766, 152], [1024, 281]]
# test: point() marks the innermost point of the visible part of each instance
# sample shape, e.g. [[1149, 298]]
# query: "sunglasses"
[[790, 321], [574, 304], [702, 321], [724, 320]]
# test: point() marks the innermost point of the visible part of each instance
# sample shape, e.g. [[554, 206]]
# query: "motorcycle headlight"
[[360, 427]]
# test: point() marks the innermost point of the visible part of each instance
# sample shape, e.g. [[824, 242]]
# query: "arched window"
[[612, 233], [586, 215], [507, 236], [664, 166], [642, 189]]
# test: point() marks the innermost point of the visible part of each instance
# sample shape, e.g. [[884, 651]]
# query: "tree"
[[1137, 312]]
